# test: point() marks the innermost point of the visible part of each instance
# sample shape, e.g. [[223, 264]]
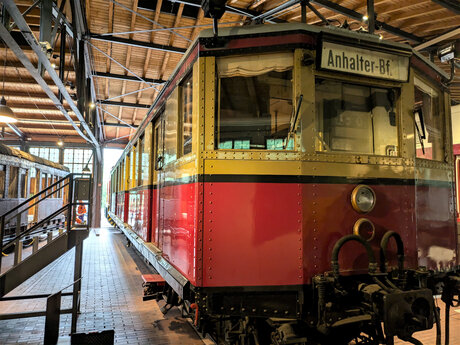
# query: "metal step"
[[40, 259]]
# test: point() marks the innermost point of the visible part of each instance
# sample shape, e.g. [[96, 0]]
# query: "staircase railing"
[[75, 190], [65, 187]]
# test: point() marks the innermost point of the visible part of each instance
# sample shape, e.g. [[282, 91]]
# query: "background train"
[[21, 176], [294, 185]]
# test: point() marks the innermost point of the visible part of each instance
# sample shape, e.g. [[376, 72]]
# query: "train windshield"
[[356, 118], [255, 102]]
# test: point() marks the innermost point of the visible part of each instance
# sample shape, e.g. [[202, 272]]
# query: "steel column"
[[371, 17], [139, 44], [62, 58], [128, 78], [22, 25]]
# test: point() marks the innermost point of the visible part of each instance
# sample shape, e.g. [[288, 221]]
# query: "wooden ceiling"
[[153, 54]]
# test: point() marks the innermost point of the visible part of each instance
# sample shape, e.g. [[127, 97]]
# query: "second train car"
[[275, 148]]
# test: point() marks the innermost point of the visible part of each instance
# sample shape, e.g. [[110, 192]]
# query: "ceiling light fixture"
[[6, 114], [60, 142]]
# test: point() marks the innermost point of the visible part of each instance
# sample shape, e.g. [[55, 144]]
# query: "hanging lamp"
[[6, 114]]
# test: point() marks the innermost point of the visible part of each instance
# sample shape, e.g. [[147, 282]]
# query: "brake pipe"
[[339, 244]]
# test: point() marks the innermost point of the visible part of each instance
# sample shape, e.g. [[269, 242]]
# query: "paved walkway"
[[111, 298]]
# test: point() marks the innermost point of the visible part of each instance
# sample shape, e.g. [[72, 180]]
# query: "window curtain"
[[253, 65]]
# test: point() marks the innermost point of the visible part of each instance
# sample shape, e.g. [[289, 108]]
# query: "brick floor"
[[111, 298]]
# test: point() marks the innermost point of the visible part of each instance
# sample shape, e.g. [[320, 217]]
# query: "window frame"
[[188, 77], [366, 82], [442, 113], [295, 137]]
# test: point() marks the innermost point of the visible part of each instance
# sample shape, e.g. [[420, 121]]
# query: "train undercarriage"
[[372, 308]]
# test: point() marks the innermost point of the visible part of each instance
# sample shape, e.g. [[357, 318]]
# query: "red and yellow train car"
[[268, 150]]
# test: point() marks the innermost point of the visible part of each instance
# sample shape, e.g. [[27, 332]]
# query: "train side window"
[[13, 183], [2, 181], [44, 180], [170, 128], [186, 112], [428, 122], [140, 149], [255, 101], [23, 183], [355, 118], [146, 154], [132, 168]]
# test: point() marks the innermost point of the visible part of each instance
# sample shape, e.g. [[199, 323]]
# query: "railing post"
[[35, 244], [18, 244], [2, 227], [49, 237], [70, 203]]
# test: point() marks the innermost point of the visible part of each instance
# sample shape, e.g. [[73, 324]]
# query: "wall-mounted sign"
[[370, 63]]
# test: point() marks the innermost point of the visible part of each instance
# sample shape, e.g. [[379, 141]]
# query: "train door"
[[159, 162]]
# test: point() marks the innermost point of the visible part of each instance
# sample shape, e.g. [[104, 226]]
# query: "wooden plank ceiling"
[[39, 119]]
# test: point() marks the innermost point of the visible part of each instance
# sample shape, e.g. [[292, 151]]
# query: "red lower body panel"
[[270, 234], [178, 224], [283, 234]]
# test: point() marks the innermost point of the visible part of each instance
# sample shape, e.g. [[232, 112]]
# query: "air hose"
[[383, 249], [339, 244]]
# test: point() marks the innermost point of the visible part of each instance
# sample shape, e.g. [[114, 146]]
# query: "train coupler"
[[407, 312], [153, 286]]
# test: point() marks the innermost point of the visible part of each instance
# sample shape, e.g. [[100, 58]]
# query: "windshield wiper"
[[421, 136], [292, 125]]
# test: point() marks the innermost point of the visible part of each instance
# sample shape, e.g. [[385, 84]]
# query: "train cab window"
[[2, 181], [186, 111], [255, 102], [13, 182], [355, 118], [428, 122]]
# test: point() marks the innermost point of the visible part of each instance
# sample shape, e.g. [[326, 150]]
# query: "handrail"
[[40, 223], [36, 203], [36, 195]]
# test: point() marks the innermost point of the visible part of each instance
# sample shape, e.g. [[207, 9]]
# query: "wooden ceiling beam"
[[128, 61], [148, 55], [357, 16]]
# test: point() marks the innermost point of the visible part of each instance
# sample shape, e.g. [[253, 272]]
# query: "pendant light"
[[6, 114]]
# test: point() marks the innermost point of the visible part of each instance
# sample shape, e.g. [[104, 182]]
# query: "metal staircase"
[[75, 190]]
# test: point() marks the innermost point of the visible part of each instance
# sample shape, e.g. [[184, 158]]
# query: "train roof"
[[352, 37], [9, 151]]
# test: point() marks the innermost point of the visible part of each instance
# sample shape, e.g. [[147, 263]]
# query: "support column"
[[96, 192], [77, 285], [371, 15]]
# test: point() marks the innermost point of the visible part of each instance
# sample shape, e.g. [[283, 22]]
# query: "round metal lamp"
[[6, 114]]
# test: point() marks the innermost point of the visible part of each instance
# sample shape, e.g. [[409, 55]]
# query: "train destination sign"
[[364, 62]]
